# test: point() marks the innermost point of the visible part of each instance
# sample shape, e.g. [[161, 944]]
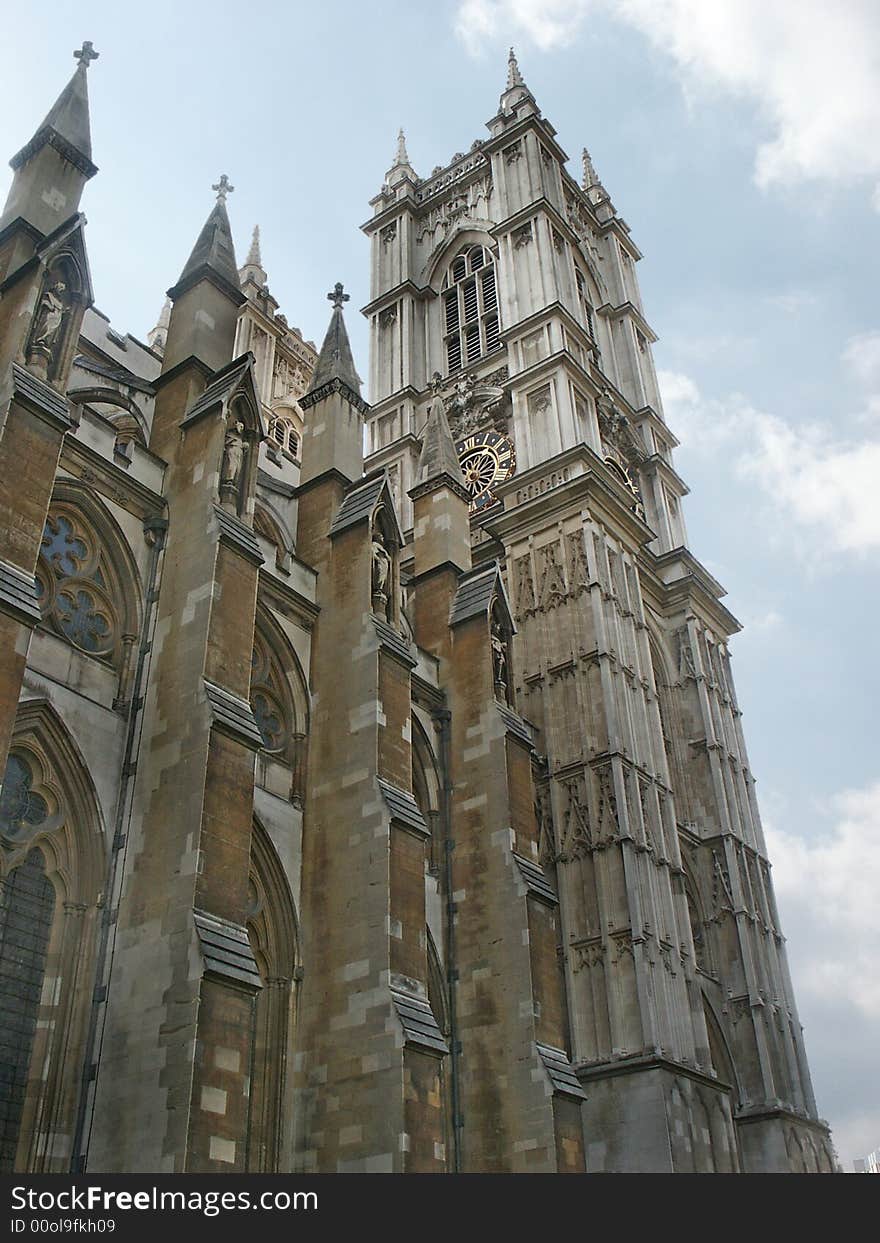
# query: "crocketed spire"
[[438, 459], [335, 361]]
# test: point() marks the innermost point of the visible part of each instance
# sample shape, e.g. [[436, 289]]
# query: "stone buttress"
[[370, 1051], [45, 289], [519, 1099], [172, 1092]]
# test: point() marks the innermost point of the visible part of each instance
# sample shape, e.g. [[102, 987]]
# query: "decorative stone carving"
[[577, 838], [468, 202], [389, 233], [381, 569], [234, 450], [686, 666], [524, 594], [578, 570], [499, 655], [552, 589]]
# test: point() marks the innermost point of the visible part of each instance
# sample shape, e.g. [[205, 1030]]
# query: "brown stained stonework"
[[522, 796], [29, 450], [395, 751], [433, 601], [407, 905], [550, 1026], [227, 818], [426, 1152], [220, 1101], [228, 654], [569, 1136], [14, 639]]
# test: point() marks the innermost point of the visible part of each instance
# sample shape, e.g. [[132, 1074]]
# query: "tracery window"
[[471, 326], [269, 699], [75, 585], [284, 433], [27, 907], [586, 308]]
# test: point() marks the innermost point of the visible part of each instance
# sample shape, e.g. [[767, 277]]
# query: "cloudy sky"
[[738, 138]]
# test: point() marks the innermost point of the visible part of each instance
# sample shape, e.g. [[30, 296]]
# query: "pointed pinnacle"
[[401, 157], [254, 258], [514, 77], [589, 178], [438, 457]]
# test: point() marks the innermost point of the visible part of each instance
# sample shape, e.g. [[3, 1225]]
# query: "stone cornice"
[[407, 287], [84, 463], [589, 479]]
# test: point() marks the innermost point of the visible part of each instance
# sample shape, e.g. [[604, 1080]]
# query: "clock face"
[[487, 459]]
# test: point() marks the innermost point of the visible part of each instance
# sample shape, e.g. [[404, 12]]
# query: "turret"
[[207, 294], [333, 432]]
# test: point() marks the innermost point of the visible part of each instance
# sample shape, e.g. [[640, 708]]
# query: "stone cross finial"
[[223, 188], [337, 297], [86, 54]]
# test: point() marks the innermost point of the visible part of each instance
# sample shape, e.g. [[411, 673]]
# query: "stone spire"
[[253, 255], [53, 167], [438, 461], [401, 169], [207, 295], [590, 177], [253, 269], [333, 426], [159, 335], [335, 361], [214, 253], [516, 90], [593, 188]]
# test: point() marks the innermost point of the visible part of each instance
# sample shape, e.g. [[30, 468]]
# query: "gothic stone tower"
[[370, 816], [516, 289]]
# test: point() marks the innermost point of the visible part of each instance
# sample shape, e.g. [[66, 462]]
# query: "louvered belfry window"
[[470, 309]]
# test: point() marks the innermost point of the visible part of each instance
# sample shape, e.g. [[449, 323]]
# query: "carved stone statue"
[[499, 653], [381, 565], [233, 456], [50, 316]]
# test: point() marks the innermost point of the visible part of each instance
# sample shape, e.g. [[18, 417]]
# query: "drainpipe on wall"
[[155, 528], [443, 718]]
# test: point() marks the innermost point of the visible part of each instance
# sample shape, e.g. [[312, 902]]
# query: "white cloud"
[[546, 23], [793, 301], [861, 355], [814, 480], [811, 68], [827, 889]]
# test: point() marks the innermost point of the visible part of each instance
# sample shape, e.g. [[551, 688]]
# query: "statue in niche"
[[50, 316], [48, 322], [499, 655], [380, 572], [233, 456]]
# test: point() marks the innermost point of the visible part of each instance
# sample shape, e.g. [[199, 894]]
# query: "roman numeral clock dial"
[[487, 459]]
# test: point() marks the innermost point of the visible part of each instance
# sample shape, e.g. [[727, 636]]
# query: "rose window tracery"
[[73, 586], [22, 809]]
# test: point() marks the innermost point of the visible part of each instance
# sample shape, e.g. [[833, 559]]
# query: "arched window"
[[86, 594], [52, 871], [272, 929], [471, 327], [586, 308], [270, 699], [27, 904], [284, 433]]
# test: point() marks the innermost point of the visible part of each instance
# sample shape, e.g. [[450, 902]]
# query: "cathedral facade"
[[375, 795]]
